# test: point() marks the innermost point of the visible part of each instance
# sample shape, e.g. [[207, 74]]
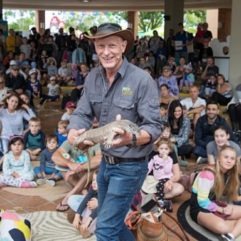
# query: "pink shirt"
[[161, 168]]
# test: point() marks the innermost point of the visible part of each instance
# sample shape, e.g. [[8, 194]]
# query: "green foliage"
[[192, 18], [22, 22], [83, 21], [150, 21]]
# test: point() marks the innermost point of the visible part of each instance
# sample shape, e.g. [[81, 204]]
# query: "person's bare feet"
[[62, 206]]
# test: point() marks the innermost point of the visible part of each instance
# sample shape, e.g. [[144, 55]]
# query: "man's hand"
[[168, 186], [123, 138], [15, 174], [74, 134]]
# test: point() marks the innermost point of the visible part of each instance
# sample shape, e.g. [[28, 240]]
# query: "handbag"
[[150, 226]]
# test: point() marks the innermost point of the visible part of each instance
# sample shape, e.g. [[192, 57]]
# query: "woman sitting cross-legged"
[[213, 192]]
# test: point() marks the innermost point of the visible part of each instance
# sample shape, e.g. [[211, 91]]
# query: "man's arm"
[[59, 159], [196, 110]]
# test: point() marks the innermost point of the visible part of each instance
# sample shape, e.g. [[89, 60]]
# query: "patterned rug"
[[197, 231], [46, 192], [53, 226]]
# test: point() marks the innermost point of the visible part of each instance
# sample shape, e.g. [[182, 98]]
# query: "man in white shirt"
[[194, 105]]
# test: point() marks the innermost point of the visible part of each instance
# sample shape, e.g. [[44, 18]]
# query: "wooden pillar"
[[133, 22], [235, 50], [224, 23], [40, 20], [173, 15]]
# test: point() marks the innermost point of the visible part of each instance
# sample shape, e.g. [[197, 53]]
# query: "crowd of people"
[[170, 88]]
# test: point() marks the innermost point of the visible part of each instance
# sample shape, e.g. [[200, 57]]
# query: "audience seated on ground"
[[180, 130], [46, 172], [194, 105], [165, 96], [234, 109], [221, 139], [170, 80], [34, 138], [86, 209], [223, 93], [213, 192], [204, 130], [74, 165]]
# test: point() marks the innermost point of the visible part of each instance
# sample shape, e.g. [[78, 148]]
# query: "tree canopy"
[[22, 20]]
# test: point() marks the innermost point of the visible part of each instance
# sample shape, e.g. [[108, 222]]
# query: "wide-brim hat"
[[112, 29], [149, 185]]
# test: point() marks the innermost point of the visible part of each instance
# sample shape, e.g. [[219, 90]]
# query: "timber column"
[[173, 15], [235, 49], [40, 21], [133, 22]]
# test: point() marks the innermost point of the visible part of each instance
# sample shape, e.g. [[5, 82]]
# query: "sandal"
[[61, 207]]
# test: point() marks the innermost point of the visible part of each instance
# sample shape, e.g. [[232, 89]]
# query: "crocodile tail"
[[88, 169]]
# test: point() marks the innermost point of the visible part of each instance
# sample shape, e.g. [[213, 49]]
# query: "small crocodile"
[[106, 134]]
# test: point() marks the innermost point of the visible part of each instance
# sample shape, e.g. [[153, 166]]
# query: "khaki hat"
[[112, 29]]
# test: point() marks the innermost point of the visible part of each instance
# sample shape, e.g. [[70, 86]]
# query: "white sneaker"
[[50, 182], [227, 237], [202, 160], [41, 181]]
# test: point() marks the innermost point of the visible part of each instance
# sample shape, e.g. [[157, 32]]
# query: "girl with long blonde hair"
[[213, 192]]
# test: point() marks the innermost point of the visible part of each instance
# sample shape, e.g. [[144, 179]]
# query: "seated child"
[[209, 87], [62, 132], [86, 212], [33, 85], [63, 74], [188, 78], [53, 91], [161, 167], [69, 107], [17, 168], [163, 112], [52, 67], [34, 138], [46, 170]]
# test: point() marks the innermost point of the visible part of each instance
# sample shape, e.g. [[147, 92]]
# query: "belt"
[[112, 160]]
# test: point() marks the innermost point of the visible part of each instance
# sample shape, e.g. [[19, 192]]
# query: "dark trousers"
[[185, 150], [234, 111], [222, 100], [48, 97]]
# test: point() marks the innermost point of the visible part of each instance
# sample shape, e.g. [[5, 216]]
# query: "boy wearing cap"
[[117, 88], [14, 79], [34, 85], [69, 108]]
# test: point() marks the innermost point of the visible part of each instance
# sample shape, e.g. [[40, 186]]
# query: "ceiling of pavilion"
[[109, 4]]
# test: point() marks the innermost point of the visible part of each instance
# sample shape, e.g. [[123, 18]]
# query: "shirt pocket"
[[96, 103], [125, 107]]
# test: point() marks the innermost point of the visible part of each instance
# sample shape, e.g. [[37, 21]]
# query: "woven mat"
[[194, 229], [46, 192], [53, 226]]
